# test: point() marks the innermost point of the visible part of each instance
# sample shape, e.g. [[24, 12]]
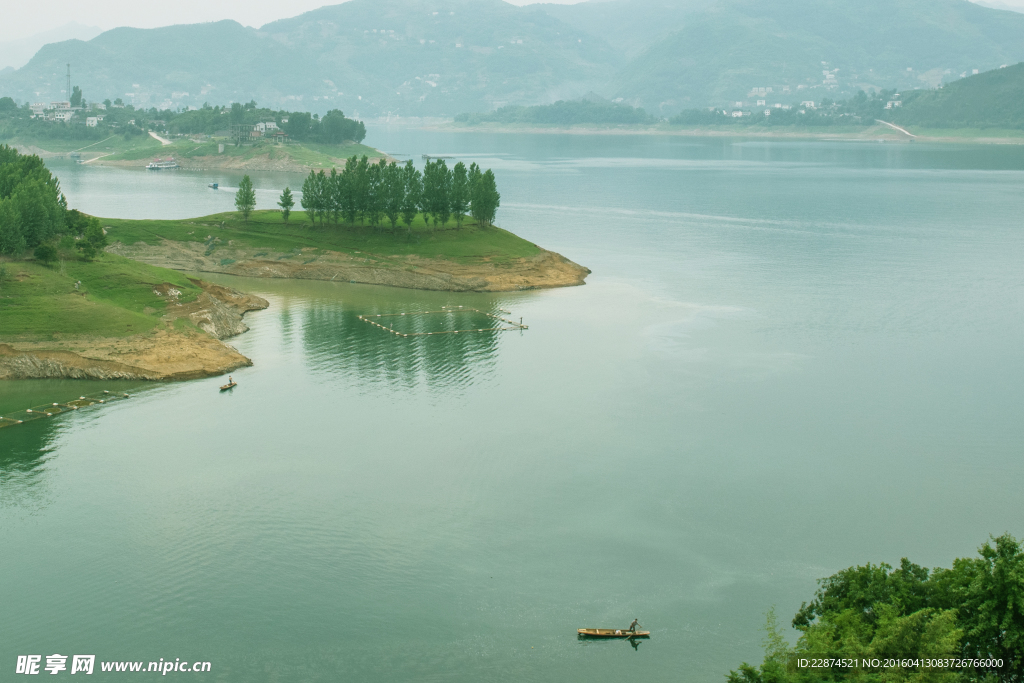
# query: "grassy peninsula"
[[474, 257], [114, 318]]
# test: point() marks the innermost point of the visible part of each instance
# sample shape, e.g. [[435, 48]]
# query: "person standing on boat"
[[632, 627]]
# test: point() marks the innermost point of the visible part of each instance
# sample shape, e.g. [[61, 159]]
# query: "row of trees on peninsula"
[[34, 213], [373, 193], [973, 611]]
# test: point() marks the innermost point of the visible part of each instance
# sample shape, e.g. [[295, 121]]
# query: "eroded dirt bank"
[[164, 354], [545, 270]]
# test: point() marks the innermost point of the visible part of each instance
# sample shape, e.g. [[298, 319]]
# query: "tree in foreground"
[[245, 198], [974, 611], [286, 202]]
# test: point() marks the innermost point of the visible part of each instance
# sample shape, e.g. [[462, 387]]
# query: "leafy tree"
[[46, 253], [485, 198], [94, 234], [348, 191], [7, 104], [394, 193], [88, 250], [309, 192], [973, 610], [76, 97], [361, 186], [245, 198], [76, 221], [436, 188], [458, 198], [12, 239], [988, 595], [286, 202], [237, 115], [413, 183]]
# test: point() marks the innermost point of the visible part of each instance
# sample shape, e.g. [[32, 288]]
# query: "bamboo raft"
[[512, 325], [611, 633]]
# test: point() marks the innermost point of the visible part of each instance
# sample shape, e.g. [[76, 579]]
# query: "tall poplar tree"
[[413, 193], [245, 198], [308, 191], [394, 193], [286, 202], [458, 197]]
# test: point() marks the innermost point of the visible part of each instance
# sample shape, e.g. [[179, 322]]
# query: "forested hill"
[[561, 113], [444, 57], [365, 57], [823, 49], [990, 100]]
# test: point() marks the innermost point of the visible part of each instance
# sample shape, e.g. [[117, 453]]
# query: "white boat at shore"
[[161, 164]]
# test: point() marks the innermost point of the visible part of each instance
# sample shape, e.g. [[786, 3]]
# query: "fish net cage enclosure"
[[445, 320], [47, 410]]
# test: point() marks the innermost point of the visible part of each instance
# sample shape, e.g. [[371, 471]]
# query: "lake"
[[791, 357]]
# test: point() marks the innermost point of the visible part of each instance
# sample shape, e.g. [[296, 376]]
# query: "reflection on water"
[[338, 341], [24, 450]]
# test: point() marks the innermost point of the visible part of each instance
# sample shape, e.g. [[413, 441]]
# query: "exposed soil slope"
[[546, 269]]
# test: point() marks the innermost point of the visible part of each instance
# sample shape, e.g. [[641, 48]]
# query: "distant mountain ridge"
[[445, 57]]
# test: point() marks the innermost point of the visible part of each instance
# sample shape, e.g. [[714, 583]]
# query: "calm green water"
[[791, 357]]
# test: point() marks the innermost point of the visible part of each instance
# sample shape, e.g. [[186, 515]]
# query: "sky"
[[23, 19]]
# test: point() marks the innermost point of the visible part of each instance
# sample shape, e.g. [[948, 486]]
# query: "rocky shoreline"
[[164, 354], [545, 270]]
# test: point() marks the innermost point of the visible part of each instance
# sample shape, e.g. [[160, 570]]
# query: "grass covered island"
[[113, 318], [474, 257], [84, 297]]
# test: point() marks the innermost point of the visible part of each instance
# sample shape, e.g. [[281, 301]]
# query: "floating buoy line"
[[51, 409], [378, 319]]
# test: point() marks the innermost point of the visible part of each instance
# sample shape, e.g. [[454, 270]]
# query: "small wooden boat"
[[231, 385], [612, 633]]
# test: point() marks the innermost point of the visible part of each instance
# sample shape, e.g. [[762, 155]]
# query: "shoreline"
[[546, 270], [266, 162], [165, 354], [871, 134]]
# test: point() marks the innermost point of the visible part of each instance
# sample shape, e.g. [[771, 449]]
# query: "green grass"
[[115, 299], [267, 230]]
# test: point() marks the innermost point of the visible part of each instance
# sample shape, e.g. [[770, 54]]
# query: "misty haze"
[[466, 340]]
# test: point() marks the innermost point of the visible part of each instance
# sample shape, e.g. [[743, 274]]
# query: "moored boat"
[[161, 164], [612, 633]]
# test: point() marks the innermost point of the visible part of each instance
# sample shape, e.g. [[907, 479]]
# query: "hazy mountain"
[[990, 100], [444, 57], [995, 4], [411, 57], [629, 26], [16, 53], [725, 51]]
